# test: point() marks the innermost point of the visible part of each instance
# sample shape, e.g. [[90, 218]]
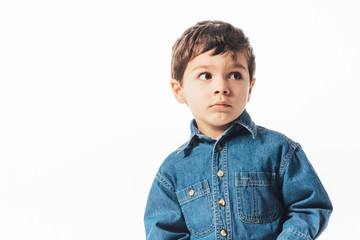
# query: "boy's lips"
[[221, 105]]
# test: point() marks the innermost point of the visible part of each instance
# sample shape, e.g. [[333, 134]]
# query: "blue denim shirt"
[[251, 183]]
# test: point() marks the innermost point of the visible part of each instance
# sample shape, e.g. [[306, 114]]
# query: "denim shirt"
[[251, 183]]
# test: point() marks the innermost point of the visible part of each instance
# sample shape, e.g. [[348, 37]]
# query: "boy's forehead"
[[236, 59]]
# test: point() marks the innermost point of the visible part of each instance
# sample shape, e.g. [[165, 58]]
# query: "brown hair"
[[205, 36]]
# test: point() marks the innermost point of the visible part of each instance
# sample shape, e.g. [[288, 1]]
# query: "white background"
[[87, 115]]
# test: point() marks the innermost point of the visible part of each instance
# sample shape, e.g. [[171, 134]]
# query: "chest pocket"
[[196, 206], [256, 194]]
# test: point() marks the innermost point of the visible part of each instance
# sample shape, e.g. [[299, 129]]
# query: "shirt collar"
[[244, 120]]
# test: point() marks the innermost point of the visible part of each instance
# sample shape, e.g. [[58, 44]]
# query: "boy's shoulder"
[[169, 167], [275, 137], [175, 155]]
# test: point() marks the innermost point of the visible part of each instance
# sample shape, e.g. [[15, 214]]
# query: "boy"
[[231, 179]]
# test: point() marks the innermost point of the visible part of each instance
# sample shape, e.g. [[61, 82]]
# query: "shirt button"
[[222, 202], [223, 232], [219, 147], [191, 192], [220, 173]]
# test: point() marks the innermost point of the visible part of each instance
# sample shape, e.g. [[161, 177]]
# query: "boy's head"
[[213, 73], [205, 36]]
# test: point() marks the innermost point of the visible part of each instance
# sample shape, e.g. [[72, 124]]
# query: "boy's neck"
[[212, 131]]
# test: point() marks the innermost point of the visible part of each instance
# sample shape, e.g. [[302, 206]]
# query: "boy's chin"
[[222, 122]]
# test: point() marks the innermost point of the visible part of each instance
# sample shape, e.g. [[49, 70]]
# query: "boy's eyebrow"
[[202, 66], [237, 65]]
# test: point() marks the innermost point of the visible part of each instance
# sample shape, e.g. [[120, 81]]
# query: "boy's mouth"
[[221, 105]]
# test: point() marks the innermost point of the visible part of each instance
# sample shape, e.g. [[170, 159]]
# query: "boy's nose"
[[222, 89]]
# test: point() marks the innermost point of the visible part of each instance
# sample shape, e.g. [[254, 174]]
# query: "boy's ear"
[[177, 91], [251, 87]]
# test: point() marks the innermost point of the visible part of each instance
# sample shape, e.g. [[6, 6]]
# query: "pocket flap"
[[255, 178], [192, 192]]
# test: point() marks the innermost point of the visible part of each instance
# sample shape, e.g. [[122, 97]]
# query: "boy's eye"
[[235, 75], [205, 76]]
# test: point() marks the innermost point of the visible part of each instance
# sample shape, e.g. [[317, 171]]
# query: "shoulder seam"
[[289, 155], [163, 182]]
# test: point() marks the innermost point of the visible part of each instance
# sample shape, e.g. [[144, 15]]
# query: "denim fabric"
[[266, 189]]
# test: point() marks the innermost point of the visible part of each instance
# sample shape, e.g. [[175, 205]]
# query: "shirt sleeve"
[[163, 217], [307, 204]]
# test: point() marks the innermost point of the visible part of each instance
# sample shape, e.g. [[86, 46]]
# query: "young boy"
[[232, 179]]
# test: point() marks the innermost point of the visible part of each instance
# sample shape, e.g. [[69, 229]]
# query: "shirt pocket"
[[196, 206], [257, 201]]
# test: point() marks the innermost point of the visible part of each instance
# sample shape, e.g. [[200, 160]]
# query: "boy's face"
[[216, 89]]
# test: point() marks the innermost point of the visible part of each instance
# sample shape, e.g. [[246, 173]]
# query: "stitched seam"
[[226, 191], [256, 218], [164, 182], [203, 233], [300, 234], [203, 193], [246, 181], [195, 196], [247, 127], [181, 148], [288, 157], [259, 183]]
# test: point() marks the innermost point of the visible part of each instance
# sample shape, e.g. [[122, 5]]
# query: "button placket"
[[223, 220], [224, 204]]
